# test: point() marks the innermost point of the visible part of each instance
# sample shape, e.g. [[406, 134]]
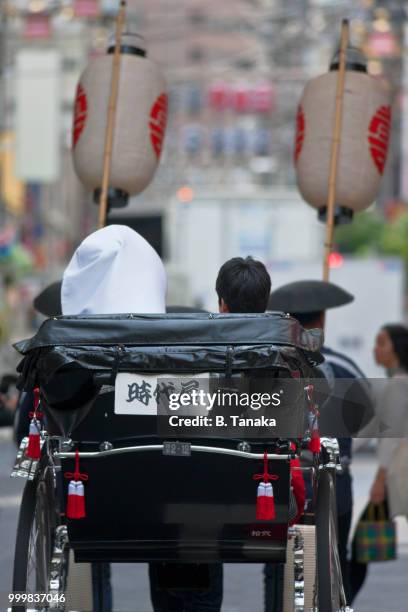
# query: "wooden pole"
[[110, 124], [328, 245]]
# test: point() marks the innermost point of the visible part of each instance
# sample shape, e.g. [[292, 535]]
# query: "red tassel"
[[270, 513], [34, 448], [76, 492], [265, 502], [260, 502], [80, 495], [76, 500], [71, 511], [314, 444]]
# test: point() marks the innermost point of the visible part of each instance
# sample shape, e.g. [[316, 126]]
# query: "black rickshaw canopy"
[[168, 343]]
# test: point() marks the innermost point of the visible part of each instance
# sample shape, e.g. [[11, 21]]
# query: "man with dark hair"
[[243, 285]]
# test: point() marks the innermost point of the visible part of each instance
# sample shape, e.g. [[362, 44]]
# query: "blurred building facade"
[[235, 73]]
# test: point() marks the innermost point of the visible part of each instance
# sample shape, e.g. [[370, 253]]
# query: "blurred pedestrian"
[[391, 352], [391, 407], [8, 399], [307, 301]]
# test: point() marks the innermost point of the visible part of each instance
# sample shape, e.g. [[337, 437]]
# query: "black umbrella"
[[308, 296], [48, 302]]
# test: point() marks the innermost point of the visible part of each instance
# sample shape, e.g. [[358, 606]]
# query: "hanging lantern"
[[366, 125], [139, 126]]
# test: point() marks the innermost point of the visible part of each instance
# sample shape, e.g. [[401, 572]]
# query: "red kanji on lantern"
[[80, 113], [300, 132], [379, 136], [157, 124]]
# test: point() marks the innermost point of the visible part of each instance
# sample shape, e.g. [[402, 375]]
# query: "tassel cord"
[[266, 477], [76, 475]]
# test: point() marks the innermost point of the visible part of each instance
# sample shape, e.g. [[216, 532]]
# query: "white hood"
[[114, 270]]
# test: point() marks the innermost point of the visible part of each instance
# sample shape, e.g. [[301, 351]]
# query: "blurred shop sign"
[[38, 115], [37, 27], [382, 44], [87, 8], [12, 189], [241, 98]]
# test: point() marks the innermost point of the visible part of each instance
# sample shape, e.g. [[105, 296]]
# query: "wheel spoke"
[[329, 577], [37, 557], [31, 563]]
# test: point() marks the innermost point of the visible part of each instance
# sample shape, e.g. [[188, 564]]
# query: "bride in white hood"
[[114, 270]]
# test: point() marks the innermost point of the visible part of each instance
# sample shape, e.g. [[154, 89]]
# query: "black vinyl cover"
[[174, 329], [168, 343]]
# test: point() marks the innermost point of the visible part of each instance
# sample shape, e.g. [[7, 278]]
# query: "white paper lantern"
[[366, 125], [140, 123]]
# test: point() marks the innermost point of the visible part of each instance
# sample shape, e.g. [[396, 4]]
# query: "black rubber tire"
[[37, 504], [328, 571]]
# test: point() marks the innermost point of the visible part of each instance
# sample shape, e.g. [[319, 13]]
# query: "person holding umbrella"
[[307, 301]]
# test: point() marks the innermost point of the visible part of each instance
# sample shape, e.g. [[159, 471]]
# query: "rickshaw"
[[153, 497]]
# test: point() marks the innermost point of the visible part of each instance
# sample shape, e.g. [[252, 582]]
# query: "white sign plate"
[[137, 394]]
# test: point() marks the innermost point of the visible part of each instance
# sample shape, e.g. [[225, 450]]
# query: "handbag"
[[397, 480], [375, 535]]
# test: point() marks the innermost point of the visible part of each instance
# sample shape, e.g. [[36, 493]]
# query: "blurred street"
[[386, 586]]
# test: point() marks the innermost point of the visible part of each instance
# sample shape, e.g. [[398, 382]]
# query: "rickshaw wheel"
[[330, 592], [35, 536]]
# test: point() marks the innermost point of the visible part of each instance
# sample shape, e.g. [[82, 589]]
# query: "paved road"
[[386, 587]]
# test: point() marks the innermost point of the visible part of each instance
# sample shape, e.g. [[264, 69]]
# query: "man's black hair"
[[306, 318], [244, 285]]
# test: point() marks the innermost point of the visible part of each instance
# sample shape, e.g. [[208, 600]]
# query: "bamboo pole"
[[110, 124], [328, 245]]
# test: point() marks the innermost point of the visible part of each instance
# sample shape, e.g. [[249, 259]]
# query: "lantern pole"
[[110, 124], [328, 245]]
